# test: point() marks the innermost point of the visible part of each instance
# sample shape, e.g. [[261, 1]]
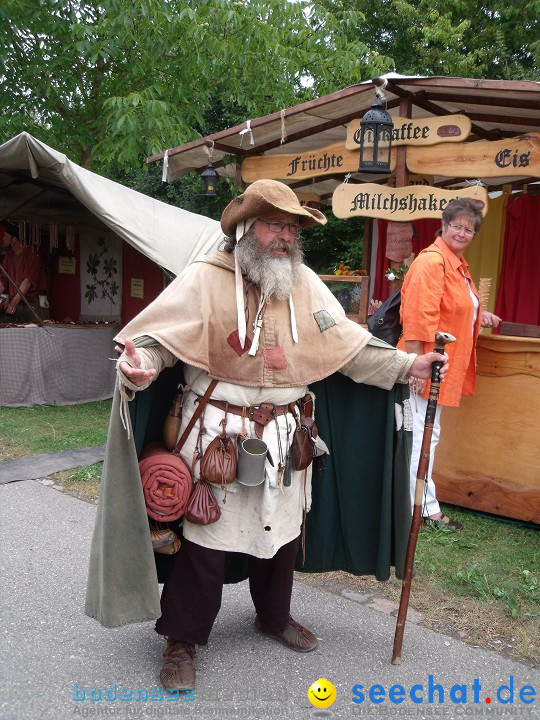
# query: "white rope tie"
[[247, 129], [283, 129], [241, 230], [294, 329], [165, 166], [240, 313]]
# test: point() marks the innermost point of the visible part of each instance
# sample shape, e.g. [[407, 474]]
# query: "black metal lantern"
[[375, 139], [210, 181]]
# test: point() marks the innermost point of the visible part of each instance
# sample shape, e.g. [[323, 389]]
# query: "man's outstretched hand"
[[134, 374]]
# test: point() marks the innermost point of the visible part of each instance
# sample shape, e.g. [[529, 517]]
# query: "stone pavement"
[[57, 663]]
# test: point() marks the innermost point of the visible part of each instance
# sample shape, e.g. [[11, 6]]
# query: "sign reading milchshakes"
[[418, 131], [330, 160], [401, 204], [518, 156]]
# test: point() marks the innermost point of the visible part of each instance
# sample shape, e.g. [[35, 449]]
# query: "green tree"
[[493, 39], [113, 81]]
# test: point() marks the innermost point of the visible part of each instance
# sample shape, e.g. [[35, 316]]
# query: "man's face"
[[278, 244]]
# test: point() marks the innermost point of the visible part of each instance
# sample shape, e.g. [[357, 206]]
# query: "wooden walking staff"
[[441, 339]]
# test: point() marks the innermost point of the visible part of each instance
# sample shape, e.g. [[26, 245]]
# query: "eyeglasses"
[[277, 227], [466, 231]]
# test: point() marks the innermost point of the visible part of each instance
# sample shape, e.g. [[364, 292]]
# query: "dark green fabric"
[[360, 516], [358, 522]]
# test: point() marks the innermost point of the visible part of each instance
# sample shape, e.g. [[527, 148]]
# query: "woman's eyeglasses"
[[458, 228], [277, 227]]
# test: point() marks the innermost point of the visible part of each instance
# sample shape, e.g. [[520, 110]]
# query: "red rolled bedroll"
[[166, 481]]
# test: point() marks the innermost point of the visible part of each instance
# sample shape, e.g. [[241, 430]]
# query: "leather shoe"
[[178, 671], [294, 636]]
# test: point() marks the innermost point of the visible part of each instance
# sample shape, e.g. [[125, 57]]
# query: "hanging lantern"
[[210, 181], [375, 139]]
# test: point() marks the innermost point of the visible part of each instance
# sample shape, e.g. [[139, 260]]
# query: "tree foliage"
[[493, 39], [113, 81]]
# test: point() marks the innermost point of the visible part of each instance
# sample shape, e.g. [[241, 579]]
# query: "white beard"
[[275, 276]]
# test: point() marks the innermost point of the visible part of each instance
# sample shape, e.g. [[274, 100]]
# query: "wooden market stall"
[[452, 136]]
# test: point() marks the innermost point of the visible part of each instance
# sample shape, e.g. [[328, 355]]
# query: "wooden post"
[[367, 245], [402, 175]]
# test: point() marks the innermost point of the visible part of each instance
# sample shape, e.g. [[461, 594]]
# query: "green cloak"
[[359, 520]]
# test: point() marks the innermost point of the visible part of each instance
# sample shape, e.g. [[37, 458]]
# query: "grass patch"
[[82, 483], [489, 560], [52, 428]]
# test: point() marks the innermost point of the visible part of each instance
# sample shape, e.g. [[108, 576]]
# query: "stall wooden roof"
[[497, 109]]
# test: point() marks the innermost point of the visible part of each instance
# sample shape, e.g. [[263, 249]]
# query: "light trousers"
[[430, 504]]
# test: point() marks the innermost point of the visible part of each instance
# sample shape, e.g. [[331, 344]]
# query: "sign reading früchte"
[[401, 204], [418, 131], [329, 160]]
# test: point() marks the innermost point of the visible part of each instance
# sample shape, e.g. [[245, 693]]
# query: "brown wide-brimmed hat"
[[265, 195]]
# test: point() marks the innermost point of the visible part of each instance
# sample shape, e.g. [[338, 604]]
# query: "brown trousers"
[[192, 593]]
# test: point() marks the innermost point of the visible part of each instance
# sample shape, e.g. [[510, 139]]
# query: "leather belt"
[[261, 414]]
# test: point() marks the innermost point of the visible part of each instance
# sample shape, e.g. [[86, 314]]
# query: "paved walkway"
[[57, 663], [40, 466]]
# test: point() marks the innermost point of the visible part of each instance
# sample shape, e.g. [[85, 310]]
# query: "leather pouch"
[[173, 421], [302, 446], [202, 507], [219, 460]]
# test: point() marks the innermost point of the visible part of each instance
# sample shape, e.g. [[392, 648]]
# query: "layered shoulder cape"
[[196, 319]]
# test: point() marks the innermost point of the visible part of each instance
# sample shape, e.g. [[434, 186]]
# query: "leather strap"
[[198, 410], [261, 414]]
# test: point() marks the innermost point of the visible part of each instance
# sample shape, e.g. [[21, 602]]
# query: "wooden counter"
[[489, 455]]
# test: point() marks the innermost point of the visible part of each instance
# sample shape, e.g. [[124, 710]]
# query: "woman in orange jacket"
[[439, 294]]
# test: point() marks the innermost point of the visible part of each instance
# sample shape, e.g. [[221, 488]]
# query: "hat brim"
[[253, 204]]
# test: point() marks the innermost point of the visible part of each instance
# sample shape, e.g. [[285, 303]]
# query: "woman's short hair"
[[463, 206]]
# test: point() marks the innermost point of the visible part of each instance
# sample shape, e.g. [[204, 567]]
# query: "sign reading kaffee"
[[418, 131], [401, 204], [330, 160]]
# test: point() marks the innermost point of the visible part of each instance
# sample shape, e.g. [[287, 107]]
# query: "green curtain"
[[360, 516]]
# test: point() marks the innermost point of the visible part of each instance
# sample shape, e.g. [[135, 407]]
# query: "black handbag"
[[385, 322]]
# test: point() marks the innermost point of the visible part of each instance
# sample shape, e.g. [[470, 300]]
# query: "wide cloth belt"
[[261, 414]]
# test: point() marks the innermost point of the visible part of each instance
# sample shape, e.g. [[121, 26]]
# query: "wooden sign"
[[311, 200], [418, 131], [66, 265], [401, 204], [137, 287], [330, 160], [399, 237], [519, 156], [413, 180]]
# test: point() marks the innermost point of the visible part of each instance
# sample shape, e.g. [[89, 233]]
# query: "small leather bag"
[[218, 464], [302, 449], [171, 426], [202, 507]]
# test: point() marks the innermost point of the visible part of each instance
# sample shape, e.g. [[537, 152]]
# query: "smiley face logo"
[[322, 693]]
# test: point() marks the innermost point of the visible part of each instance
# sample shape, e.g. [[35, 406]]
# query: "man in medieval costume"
[[253, 317]]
